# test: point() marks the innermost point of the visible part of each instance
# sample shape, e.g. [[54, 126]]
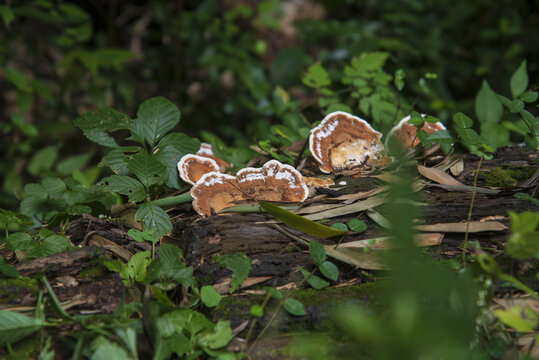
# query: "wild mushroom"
[[405, 134], [193, 167], [343, 141], [273, 182], [207, 151]]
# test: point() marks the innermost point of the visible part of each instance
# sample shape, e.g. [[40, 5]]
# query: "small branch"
[[173, 200], [470, 211]]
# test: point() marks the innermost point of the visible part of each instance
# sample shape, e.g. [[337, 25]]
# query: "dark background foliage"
[[221, 62]]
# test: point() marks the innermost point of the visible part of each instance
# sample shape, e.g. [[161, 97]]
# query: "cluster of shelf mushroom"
[[341, 141]]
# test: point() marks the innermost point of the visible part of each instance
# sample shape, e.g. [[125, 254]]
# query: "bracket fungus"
[[207, 151], [193, 167], [405, 134], [343, 141], [273, 182]]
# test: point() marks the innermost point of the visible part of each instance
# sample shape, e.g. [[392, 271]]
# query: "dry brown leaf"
[[317, 208], [111, 246], [378, 218], [370, 260], [439, 176], [467, 188], [223, 286], [361, 195], [386, 243], [457, 168], [473, 227]]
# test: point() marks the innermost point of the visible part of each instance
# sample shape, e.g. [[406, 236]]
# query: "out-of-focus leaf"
[[519, 80], [487, 106], [294, 307], [15, 326]]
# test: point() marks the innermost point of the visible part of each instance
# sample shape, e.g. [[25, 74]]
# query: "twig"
[[470, 212]]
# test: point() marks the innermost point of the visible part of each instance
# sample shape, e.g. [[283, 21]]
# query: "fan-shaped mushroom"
[[405, 134], [343, 141], [207, 151], [193, 167], [273, 182]]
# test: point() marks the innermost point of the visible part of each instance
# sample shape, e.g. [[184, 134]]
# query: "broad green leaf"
[[102, 348], [136, 267], [512, 317], [181, 142], [125, 185], [172, 265], [357, 225], [8, 270], [15, 326], [313, 280], [13, 218], [273, 293], [442, 137], [495, 134], [6, 14], [154, 218], [317, 252], [256, 310], [338, 107], [299, 222], [462, 121], [519, 80], [19, 241], [316, 76], [147, 168], [97, 125], [487, 106], [239, 264], [529, 96], [169, 157], [340, 226], [219, 337], [523, 243], [209, 296], [54, 186], [155, 117], [43, 160], [329, 270], [18, 79], [116, 159], [50, 245], [294, 307], [142, 236]]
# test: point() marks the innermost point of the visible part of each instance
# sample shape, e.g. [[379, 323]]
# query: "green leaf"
[[102, 348], [54, 186], [442, 137], [19, 241], [512, 317], [43, 160], [316, 76], [239, 264], [519, 80], [136, 268], [313, 280], [71, 163], [154, 218], [169, 157], [329, 270], [495, 134], [273, 293], [155, 117], [462, 121], [317, 252], [15, 326], [50, 245], [141, 236], [172, 265], [339, 226], [209, 296], [125, 185], [299, 222], [529, 96], [294, 307], [487, 106], [357, 225], [17, 78], [256, 310], [147, 168], [181, 142], [96, 125], [523, 243], [6, 14], [8, 270], [219, 337]]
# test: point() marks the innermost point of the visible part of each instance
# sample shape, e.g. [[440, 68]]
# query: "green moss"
[[506, 175], [22, 286], [93, 270]]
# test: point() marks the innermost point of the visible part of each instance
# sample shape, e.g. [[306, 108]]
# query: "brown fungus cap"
[[207, 151], [193, 167], [273, 182], [405, 134], [343, 141]]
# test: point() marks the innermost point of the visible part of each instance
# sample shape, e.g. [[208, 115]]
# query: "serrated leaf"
[[154, 218], [239, 264], [8, 270], [169, 157], [50, 245], [441, 137], [487, 106], [316, 76], [147, 168], [519, 80], [329, 270], [299, 222], [54, 186], [125, 185], [15, 326], [105, 349], [116, 159], [317, 252], [155, 117], [97, 125], [19, 241], [209, 296], [462, 121], [294, 307], [181, 142], [43, 160]]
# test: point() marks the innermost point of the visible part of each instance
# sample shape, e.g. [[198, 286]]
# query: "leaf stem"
[[54, 299], [173, 200], [465, 246]]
